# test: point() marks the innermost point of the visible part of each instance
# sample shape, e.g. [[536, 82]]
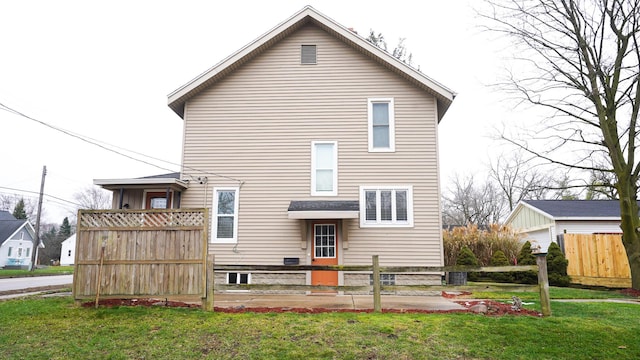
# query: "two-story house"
[[310, 145]]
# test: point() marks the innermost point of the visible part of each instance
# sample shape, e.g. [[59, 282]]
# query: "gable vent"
[[308, 54]]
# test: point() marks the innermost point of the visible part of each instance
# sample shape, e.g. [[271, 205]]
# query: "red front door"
[[324, 252]]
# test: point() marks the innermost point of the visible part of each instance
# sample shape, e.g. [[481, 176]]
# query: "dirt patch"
[[493, 308]]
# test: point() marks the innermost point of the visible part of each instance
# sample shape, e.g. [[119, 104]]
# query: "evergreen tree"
[[65, 230], [557, 266], [466, 257], [500, 259], [50, 251], [19, 211], [525, 257]]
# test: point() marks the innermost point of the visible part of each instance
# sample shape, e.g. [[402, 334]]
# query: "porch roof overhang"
[[324, 209], [142, 183]]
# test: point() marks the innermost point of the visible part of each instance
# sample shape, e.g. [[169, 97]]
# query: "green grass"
[[557, 293], [49, 270], [54, 328]]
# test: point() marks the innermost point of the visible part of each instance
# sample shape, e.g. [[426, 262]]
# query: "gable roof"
[[572, 209], [9, 227], [308, 14]]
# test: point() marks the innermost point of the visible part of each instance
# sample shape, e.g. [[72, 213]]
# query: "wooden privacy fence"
[[597, 259], [137, 253], [377, 288]]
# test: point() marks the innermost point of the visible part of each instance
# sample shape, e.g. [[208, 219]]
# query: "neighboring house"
[[541, 221], [310, 145], [68, 251], [16, 241]]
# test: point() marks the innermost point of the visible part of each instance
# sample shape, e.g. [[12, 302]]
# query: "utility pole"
[[36, 241]]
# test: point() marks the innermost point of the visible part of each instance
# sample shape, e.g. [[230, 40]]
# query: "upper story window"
[[225, 223], [324, 168], [381, 125], [308, 54], [386, 206]]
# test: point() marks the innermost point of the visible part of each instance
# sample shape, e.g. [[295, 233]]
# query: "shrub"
[[500, 259], [466, 257], [557, 266], [525, 257], [483, 243]]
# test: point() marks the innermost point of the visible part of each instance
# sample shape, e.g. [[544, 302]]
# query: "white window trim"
[[378, 223], [214, 221], [392, 125], [334, 192], [238, 275]]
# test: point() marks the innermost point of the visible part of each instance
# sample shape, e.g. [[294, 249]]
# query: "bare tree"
[[93, 197], [399, 52], [469, 202], [9, 201], [519, 178], [581, 61]]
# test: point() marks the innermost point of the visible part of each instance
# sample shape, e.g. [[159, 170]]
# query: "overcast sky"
[[103, 69]]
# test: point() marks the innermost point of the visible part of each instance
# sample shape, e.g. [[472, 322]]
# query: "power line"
[[99, 143], [35, 192]]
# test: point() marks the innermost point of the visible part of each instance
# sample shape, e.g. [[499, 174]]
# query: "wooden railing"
[[375, 269]]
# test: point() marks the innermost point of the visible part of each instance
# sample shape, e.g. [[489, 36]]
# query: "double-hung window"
[[381, 125], [225, 223], [324, 168], [386, 206]]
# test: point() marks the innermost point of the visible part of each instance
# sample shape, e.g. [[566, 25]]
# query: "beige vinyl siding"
[[257, 125], [133, 197]]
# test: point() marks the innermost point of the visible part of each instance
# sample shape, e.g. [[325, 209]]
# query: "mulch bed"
[[631, 292], [493, 308]]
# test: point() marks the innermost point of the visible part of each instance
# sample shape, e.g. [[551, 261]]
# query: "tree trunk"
[[630, 223]]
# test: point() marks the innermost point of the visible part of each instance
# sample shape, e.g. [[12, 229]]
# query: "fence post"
[[210, 282], [543, 283], [377, 306]]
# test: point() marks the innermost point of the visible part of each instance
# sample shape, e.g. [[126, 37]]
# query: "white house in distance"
[[16, 241], [68, 251], [541, 221]]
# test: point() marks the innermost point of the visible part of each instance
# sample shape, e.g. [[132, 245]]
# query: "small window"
[[308, 54], [390, 206], [238, 278], [28, 251], [385, 279], [225, 223], [158, 203], [381, 125], [324, 168], [19, 252], [9, 252]]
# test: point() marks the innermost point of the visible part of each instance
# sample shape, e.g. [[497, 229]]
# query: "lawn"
[[45, 271], [53, 328]]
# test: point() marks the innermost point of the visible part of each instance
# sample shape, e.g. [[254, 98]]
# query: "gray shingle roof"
[[8, 227], [173, 175], [5, 215], [578, 208], [324, 205]]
